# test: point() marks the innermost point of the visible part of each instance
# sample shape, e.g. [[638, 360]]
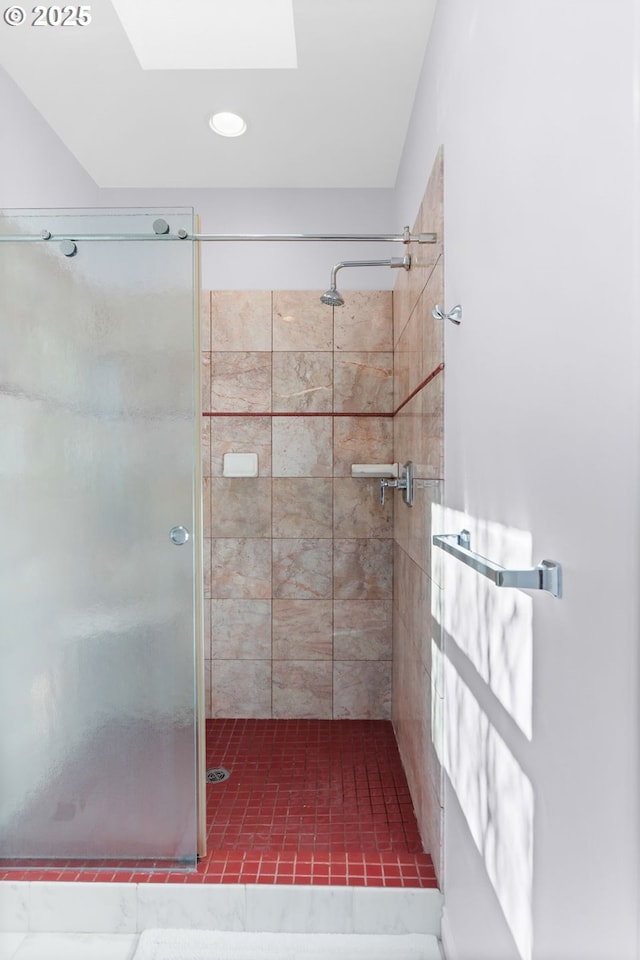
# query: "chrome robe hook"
[[455, 314]]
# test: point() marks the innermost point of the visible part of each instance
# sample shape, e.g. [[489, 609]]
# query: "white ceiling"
[[337, 120]]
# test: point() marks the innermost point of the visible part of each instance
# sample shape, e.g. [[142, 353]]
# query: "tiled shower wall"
[[418, 436], [298, 561]]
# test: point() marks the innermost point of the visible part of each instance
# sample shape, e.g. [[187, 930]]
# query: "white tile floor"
[[102, 921], [67, 946], [91, 946]]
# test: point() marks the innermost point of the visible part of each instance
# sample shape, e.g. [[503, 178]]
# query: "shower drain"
[[217, 774]]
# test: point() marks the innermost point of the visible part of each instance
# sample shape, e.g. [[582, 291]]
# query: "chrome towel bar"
[[546, 576]]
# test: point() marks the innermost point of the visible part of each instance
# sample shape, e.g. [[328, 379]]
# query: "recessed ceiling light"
[[227, 124]]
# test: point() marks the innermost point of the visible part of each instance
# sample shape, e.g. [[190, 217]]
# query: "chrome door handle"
[[179, 535]]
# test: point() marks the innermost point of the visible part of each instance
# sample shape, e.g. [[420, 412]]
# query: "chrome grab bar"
[[546, 576]]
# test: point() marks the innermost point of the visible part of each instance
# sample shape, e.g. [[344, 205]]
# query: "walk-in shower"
[[101, 559]]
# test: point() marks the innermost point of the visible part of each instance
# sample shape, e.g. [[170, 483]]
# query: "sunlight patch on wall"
[[493, 626], [497, 801]]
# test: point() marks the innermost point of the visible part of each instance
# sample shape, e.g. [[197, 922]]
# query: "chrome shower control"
[[179, 535], [404, 483]]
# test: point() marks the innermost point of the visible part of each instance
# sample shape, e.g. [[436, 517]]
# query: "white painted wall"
[[36, 169], [534, 103], [283, 265]]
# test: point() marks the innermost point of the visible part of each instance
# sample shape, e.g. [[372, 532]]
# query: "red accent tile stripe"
[[328, 413], [421, 386]]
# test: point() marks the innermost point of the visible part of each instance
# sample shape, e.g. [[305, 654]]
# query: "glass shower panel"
[[97, 604]]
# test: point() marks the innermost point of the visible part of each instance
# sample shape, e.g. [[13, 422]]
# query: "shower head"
[[333, 298]]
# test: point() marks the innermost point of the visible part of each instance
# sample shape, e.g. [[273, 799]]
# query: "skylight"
[[210, 34]]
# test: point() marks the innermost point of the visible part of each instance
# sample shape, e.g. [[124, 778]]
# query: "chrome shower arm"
[[394, 262]]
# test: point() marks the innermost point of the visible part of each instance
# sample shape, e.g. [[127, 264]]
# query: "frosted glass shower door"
[[97, 603]]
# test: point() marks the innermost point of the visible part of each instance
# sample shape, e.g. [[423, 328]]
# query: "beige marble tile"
[[206, 567], [412, 721], [241, 688], [241, 382], [434, 744], [415, 697], [401, 371], [302, 446], [205, 320], [361, 440], [429, 219], [362, 629], [431, 825], [302, 630], [403, 517], [398, 676], [430, 216], [240, 569], [206, 628], [414, 531], [302, 689], [240, 435], [402, 305], [400, 559], [240, 506], [302, 507], [419, 435], [300, 321], [432, 329], [409, 289], [362, 690], [205, 381], [431, 463], [419, 349], [357, 511], [241, 320], [303, 381], [205, 446], [207, 689], [363, 383], [206, 506], [365, 322], [411, 716], [412, 592], [362, 569], [408, 443], [302, 569], [240, 629]]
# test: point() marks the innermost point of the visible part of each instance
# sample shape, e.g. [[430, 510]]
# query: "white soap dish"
[[240, 465]]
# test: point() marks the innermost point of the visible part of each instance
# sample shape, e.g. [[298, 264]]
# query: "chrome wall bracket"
[[546, 576], [405, 483]]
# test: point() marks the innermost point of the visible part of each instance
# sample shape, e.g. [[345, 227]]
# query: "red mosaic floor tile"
[[308, 802]]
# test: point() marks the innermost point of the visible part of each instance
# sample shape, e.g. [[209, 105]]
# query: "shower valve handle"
[[404, 483], [383, 485]]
